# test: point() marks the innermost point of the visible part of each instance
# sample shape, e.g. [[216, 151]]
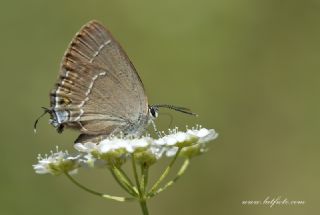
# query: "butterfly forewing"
[[98, 89]]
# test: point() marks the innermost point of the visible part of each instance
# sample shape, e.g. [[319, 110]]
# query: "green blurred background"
[[250, 69]]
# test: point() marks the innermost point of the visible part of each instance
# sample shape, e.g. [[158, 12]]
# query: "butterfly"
[[98, 91]]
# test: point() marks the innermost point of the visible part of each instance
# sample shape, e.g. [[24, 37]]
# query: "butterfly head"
[[53, 120]]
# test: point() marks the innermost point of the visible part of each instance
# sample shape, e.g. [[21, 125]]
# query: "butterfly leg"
[[155, 129]]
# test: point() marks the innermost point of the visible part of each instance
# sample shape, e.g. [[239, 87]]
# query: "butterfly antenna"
[[176, 108], [46, 110]]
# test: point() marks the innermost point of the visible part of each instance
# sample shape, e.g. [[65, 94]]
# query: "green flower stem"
[[116, 198], [181, 171], [143, 205], [165, 173], [144, 177], [135, 173], [127, 178], [116, 173], [141, 185]]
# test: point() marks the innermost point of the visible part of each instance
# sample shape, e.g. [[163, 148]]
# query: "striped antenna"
[[176, 108]]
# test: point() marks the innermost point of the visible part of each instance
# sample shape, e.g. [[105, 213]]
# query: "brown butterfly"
[[98, 91]]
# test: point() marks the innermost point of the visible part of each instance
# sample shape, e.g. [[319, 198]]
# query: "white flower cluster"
[[115, 150], [56, 163]]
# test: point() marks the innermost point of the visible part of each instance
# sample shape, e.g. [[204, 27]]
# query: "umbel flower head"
[[116, 150]]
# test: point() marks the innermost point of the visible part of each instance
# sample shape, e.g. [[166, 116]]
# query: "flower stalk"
[[124, 182], [116, 198], [164, 174], [181, 171]]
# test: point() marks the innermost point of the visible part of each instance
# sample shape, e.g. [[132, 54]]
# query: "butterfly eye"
[[153, 112]]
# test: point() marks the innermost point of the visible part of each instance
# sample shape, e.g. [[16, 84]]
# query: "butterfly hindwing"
[[98, 90]]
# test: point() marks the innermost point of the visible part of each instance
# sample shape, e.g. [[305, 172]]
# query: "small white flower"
[[172, 151], [88, 160], [199, 147], [57, 163], [174, 138], [86, 147], [140, 143], [204, 135], [111, 145], [157, 151]]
